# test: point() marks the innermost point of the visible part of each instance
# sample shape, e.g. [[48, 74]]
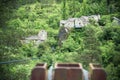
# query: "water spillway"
[[68, 71], [50, 73], [85, 74]]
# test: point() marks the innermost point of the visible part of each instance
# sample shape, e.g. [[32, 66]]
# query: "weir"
[[68, 71]]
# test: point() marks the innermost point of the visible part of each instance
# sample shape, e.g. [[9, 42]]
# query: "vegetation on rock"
[[97, 42]]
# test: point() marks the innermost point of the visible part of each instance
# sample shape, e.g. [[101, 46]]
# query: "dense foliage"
[[97, 42]]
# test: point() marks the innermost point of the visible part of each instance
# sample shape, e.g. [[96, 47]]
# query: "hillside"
[[97, 42]]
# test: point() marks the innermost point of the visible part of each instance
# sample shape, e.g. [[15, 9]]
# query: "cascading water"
[[85, 74], [50, 73]]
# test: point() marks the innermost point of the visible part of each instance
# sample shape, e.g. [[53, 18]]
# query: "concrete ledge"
[[68, 72], [96, 72], [39, 72]]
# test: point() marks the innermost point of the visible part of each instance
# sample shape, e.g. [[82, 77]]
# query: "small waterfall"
[[50, 73], [85, 74]]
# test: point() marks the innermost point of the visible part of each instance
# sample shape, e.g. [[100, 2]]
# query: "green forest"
[[97, 42]]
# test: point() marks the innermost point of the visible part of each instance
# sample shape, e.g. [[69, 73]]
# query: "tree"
[[64, 9], [91, 52]]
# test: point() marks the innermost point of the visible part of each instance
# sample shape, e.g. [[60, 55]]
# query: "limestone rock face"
[[63, 34], [78, 22], [116, 21], [66, 25], [36, 39], [42, 35]]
